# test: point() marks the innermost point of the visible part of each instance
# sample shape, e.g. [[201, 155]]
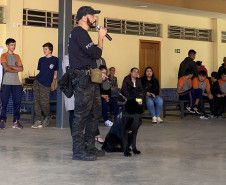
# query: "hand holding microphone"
[[103, 30]]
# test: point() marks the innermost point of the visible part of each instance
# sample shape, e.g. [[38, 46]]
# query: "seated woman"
[[114, 83], [107, 100], [131, 80], [151, 86]]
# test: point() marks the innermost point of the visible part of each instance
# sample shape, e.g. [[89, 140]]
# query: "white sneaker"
[[108, 123], [159, 120], [46, 122], [37, 124], [154, 119]]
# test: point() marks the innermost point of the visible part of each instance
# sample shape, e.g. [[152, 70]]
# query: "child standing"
[[11, 84], [44, 82]]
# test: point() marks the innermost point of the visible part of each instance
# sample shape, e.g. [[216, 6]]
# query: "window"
[[223, 36], [2, 15], [149, 29], [45, 19], [132, 27], [204, 34], [187, 33], [40, 18]]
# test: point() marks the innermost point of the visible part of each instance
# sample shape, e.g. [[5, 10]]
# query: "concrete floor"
[[179, 152]]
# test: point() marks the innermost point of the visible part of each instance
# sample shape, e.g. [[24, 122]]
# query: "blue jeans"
[[191, 95], [113, 106], [17, 92], [151, 103]]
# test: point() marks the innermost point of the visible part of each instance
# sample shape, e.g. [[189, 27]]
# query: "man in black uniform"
[[188, 63], [82, 56]]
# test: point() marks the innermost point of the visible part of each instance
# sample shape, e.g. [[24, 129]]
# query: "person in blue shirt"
[[44, 82]]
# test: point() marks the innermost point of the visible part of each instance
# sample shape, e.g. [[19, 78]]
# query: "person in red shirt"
[[201, 67]]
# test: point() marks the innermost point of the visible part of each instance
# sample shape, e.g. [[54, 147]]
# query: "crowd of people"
[[91, 98], [195, 86]]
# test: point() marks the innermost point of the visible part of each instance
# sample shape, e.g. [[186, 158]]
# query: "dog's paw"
[[136, 152], [127, 154]]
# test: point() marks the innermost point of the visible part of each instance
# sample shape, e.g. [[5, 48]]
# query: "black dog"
[[123, 133]]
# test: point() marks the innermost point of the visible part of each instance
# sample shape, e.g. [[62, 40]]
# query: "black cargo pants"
[[87, 111]]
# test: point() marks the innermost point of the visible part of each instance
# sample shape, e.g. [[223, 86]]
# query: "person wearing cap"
[[87, 111]]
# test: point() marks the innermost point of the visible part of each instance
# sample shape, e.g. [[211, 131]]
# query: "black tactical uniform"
[[82, 56]]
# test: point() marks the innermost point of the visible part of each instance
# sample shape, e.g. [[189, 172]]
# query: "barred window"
[[187, 33], [132, 27], [45, 19], [223, 36], [2, 15], [40, 18]]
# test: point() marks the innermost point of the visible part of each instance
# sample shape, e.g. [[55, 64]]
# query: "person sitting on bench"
[[151, 86], [186, 92], [201, 82]]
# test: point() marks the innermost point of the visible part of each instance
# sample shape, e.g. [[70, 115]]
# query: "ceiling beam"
[[218, 6]]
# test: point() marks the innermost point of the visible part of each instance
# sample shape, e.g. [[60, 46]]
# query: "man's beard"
[[91, 25]]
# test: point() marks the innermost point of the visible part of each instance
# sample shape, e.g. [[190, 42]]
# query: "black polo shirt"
[[82, 52]]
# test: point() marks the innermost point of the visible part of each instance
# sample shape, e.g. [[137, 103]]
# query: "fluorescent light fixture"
[[141, 6]]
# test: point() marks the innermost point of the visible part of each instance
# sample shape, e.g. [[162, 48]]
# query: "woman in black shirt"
[[151, 86], [131, 80]]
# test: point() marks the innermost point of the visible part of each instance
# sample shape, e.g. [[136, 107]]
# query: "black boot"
[[84, 156], [96, 152], [92, 150], [79, 151]]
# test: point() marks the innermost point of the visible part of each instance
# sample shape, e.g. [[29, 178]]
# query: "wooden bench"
[[29, 107]]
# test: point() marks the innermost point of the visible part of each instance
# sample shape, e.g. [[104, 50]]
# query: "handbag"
[[65, 85], [96, 75]]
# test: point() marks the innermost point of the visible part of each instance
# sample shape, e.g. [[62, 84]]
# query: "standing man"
[[11, 84], [82, 56], [188, 63], [222, 68], [44, 82]]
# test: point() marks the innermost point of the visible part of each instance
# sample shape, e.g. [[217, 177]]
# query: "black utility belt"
[[80, 72], [95, 74]]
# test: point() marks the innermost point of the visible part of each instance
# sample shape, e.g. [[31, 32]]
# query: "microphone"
[[108, 36]]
